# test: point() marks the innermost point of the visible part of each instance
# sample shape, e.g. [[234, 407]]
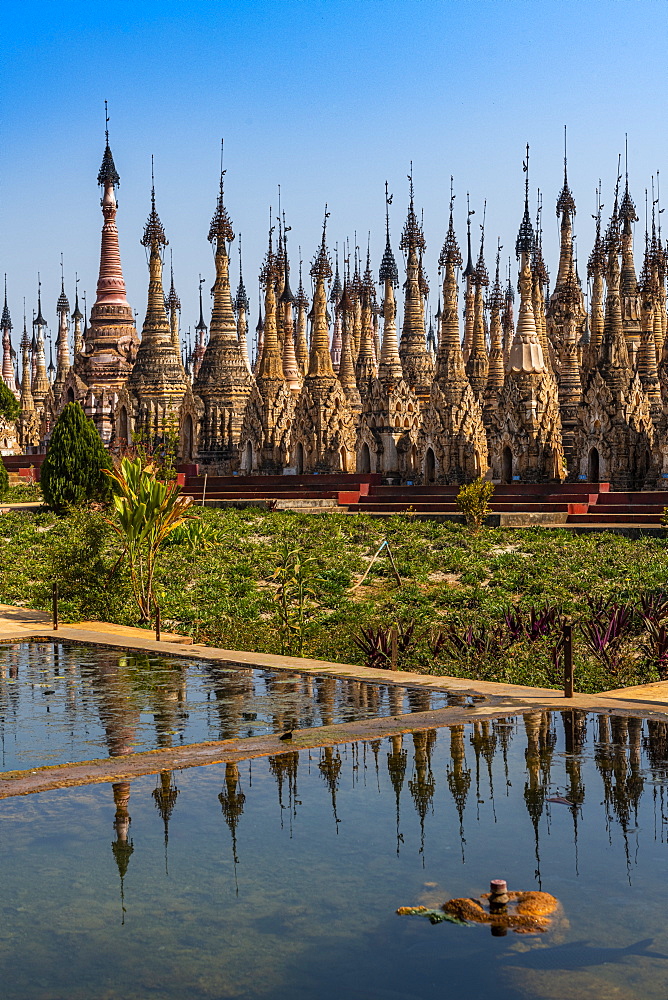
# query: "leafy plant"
[[147, 511], [539, 623], [73, 472], [295, 595], [192, 534], [473, 500], [376, 644], [605, 634]]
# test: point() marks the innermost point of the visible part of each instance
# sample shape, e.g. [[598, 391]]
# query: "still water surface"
[[63, 703], [279, 878]]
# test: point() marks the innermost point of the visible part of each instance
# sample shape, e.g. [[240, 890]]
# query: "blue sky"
[[328, 98]]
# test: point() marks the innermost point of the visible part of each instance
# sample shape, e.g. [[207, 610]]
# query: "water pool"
[[64, 703], [279, 878]]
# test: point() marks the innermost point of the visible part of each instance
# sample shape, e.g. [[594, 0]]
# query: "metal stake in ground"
[[54, 604], [568, 661], [157, 623]]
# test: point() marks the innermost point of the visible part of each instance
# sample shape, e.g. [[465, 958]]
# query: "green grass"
[[223, 594]]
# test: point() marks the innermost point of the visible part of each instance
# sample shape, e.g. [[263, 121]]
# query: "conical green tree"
[[72, 470]]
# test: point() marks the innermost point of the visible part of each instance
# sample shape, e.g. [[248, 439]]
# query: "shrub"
[[473, 501], [72, 472], [4, 480], [9, 404]]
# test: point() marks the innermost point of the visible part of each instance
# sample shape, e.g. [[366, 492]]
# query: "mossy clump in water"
[[525, 912]]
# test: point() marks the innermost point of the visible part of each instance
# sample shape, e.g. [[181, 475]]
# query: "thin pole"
[[568, 661], [204, 487], [54, 603], [157, 623], [394, 651]]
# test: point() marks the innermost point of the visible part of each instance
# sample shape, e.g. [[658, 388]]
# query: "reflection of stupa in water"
[[231, 688], [459, 777], [122, 847], [396, 766], [623, 781], [284, 768], [165, 794], [422, 784], [232, 801], [540, 747], [329, 766]]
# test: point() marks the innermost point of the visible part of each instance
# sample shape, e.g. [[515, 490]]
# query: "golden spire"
[[223, 380], [649, 301], [302, 303], [541, 280], [450, 370], [613, 362], [320, 361], [242, 305], [63, 341], [416, 363], [496, 370], [271, 363], [469, 289], [174, 307], [628, 282], [565, 209], [40, 384], [27, 401], [596, 271], [478, 361], [77, 316], [526, 354], [346, 372], [290, 367], [365, 367], [389, 369], [156, 327]]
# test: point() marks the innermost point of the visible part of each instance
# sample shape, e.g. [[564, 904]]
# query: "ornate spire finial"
[[388, 267], [220, 230], [335, 293], [565, 201], [154, 233], [6, 322], [496, 298], [268, 270], [63, 305], [412, 237], [39, 319], [451, 254], [242, 302], [627, 209], [108, 173], [201, 325], [611, 241], [596, 262], [322, 265], [173, 301], [469, 270], [481, 275], [524, 241]]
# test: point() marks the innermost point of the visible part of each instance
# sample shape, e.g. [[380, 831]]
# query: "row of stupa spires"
[[485, 346], [127, 384]]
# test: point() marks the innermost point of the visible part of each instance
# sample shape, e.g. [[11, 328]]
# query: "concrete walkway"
[[491, 700]]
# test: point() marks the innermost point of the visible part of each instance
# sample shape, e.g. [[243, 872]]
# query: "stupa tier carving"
[[561, 385]]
